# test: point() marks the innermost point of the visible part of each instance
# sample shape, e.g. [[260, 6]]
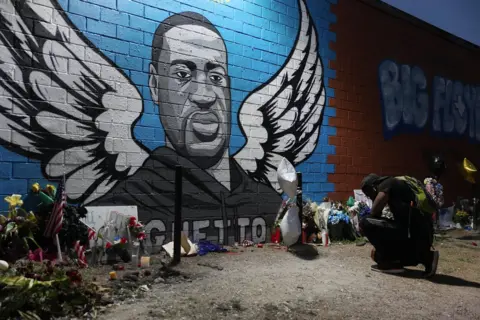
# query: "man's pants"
[[392, 242]]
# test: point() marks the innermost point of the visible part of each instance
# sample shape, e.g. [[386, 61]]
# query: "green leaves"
[[23, 282], [29, 315], [11, 228], [33, 240]]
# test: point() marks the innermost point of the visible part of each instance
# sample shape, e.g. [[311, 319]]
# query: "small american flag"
[[80, 251], [55, 222], [91, 233]]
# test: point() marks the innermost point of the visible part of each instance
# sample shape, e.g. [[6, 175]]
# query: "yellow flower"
[[51, 189], [14, 200], [36, 187], [31, 216]]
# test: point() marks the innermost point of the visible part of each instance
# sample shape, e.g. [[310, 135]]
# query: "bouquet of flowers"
[[360, 208], [461, 217], [118, 242], [340, 226], [435, 189], [136, 229], [336, 216], [16, 230], [41, 201], [118, 247]]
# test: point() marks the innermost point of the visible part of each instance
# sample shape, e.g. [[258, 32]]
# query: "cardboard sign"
[[98, 217]]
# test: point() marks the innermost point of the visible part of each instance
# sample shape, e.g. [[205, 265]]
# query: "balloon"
[[468, 170], [437, 165], [468, 166]]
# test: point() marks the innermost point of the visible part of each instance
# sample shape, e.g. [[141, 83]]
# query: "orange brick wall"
[[366, 36]]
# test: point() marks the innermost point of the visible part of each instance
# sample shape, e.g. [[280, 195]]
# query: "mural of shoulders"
[[77, 117]]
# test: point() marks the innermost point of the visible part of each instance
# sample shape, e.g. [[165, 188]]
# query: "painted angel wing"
[[282, 118], [64, 103]]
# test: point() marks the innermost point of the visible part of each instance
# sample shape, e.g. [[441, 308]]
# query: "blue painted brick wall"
[[259, 35]]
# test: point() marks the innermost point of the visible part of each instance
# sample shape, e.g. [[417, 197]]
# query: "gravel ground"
[[268, 283]]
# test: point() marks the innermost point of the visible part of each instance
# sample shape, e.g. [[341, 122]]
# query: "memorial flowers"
[[118, 242], [136, 229], [461, 217], [360, 208], [435, 189], [336, 216], [16, 230], [15, 200]]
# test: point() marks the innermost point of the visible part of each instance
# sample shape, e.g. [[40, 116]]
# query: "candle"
[[145, 262], [113, 275]]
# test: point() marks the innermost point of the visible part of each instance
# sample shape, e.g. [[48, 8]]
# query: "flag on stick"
[[80, 251], [54, 224], [91, 233]]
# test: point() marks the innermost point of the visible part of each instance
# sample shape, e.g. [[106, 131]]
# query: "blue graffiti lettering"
[[442, 97], [404, 96], [459, 109], [456, 107], [471, 96]]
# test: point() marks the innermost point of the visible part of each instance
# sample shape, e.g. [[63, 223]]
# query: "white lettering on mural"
[[404, 95], [198, 226], [405, 102], [155, 230], [219, 225], [256, 229], [185, 228], [242, 223], [259, 230]]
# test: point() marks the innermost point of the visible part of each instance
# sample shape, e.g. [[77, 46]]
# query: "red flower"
[[132, 221], [138, 225], [74, 276], [108, 245], [141, 236], [123, 240]]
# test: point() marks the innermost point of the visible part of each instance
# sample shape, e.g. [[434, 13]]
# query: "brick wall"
[[78, 95], [366, 36]]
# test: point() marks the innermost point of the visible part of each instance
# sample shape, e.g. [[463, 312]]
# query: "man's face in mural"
[[191, 86]]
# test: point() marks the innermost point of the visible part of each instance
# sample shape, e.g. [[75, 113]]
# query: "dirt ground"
[[268, 283]]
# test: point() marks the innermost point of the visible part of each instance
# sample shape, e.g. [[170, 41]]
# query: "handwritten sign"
[[97, 216]]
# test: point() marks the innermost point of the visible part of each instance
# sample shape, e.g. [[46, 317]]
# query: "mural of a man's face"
[[191, 86]]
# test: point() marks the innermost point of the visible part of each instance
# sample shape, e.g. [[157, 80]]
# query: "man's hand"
[[378, 204]]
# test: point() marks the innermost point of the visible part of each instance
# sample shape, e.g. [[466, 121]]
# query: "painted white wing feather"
[[282, 118], [64, 103]]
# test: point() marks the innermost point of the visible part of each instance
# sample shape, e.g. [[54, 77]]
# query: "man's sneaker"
[[393, 269], [431, 266]]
